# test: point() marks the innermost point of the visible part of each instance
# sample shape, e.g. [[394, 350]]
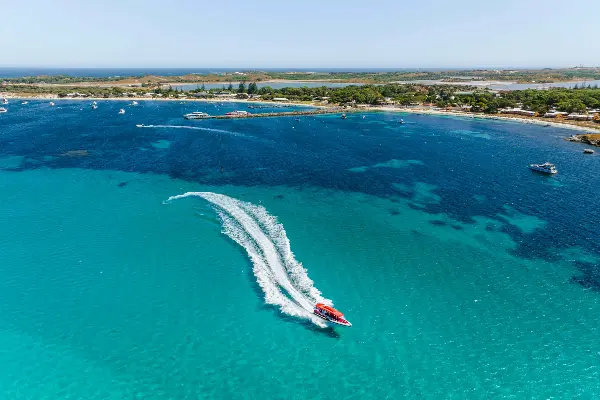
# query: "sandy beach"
[[429, 111]]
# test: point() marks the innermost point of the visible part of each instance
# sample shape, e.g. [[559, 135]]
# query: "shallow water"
[[464, 274]]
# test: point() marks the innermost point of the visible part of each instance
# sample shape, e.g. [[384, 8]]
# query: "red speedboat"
[[331, 314]]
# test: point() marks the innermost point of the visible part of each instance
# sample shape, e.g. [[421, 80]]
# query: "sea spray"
[[282, 278]]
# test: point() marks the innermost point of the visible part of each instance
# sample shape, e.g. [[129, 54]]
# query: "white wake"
[[197, 128], [282, 278]]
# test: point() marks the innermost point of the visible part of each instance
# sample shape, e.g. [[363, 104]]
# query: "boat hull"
[[543, 171], [333, 321]]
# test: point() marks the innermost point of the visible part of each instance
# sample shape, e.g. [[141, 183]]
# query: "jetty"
[[279, 114]]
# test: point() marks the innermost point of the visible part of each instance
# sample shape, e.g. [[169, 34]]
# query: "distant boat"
[[52, 104], [588, 151], [3, 110], [139, 125], [134, 103], [237, 113], [121, 111], [196, 115], [344, 116], [401, 121], [94, 106], [546, 168], [4, 101], [24, 102]]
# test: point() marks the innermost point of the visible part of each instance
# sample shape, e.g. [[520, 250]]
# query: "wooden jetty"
[[280, 114]]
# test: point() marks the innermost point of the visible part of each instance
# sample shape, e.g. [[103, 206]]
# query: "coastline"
[[426, 111]]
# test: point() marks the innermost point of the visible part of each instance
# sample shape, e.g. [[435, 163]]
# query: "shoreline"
[[425, 111]]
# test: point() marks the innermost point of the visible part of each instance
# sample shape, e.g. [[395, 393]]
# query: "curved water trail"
[[198, 128], [282, 278]]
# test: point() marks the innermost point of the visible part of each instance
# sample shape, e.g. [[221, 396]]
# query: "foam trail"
[[282, 278], [198, 128]]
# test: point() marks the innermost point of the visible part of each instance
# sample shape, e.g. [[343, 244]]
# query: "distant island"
[[578, 106], [546, 75]]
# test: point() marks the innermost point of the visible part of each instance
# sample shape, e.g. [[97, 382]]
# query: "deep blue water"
[[465, 274]]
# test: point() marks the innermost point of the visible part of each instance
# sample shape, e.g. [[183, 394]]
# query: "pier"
[[280, 114]]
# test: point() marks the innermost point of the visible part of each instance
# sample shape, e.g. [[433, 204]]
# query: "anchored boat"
[[196, 115], [331, 314]]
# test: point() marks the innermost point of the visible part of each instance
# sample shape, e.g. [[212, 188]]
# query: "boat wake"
[[198, 128], [282, 278]]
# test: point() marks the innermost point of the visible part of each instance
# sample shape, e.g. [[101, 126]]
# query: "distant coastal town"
[[450, 92]]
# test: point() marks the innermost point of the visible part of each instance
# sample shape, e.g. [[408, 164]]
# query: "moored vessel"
[[121, 111], [588, 151], [330, 314], [3, 110], [237, 113], [196, 115]]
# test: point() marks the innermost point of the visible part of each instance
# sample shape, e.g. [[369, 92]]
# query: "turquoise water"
[[464, 274]]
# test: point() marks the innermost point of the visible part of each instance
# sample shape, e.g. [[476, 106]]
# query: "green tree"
[[242, 88], [252, 88]]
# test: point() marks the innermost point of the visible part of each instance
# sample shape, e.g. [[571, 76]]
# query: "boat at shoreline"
[[546, 168], [3, 110], [5, 101], [330, 314], [196, 115], [24, 103]]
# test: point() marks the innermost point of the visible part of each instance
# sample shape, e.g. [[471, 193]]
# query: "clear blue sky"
[[309, 33]]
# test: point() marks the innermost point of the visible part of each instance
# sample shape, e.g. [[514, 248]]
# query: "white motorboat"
[[546, 168], [121, 111], [3, 110], [196, 115]]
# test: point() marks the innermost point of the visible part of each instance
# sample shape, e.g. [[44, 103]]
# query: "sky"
[[302, 34]]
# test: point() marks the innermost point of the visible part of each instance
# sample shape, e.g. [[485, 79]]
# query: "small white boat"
[[139, 126], [546, 168], [3, 110], [121, 111], [196, 115], [94, 106], [94, 103], [24, 102], [134, 103], [4, 101], [51, 104], [588, 151]]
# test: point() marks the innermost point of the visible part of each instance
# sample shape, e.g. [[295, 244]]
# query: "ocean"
[[180, 260]]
